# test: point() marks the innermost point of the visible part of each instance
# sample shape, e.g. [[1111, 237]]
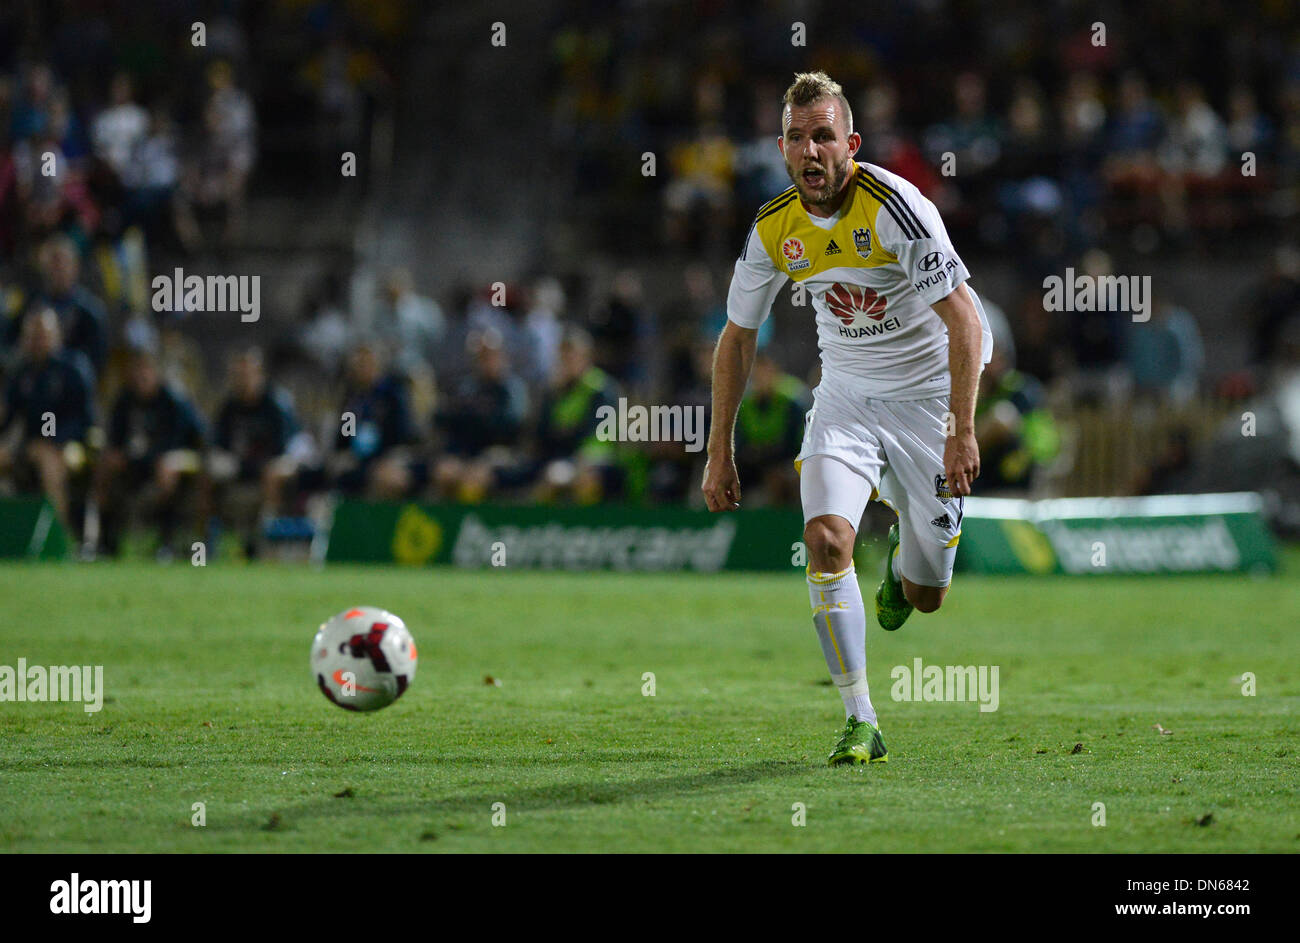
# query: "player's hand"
[[961, 463], [721, 485]]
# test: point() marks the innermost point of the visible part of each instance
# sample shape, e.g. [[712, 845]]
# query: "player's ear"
[[854, 142], [780, 144]]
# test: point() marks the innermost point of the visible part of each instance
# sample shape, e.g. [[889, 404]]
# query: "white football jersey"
[[871, 273]]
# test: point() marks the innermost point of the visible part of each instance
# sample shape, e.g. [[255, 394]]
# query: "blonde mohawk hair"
[[809, 87]]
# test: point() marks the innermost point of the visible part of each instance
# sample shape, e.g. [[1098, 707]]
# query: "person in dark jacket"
[[371, 453], [152, 457], [48, 410], [250, 461]]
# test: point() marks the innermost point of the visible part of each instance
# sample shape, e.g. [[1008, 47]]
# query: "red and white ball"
[[363, 659]]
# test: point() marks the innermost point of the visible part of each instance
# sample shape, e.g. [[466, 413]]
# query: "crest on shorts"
[[941, 489], [862, 242]]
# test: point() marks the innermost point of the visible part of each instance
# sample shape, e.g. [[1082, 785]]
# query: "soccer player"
[[902, 341]]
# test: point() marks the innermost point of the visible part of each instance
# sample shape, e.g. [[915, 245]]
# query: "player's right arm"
[[749, 301], [732, 360]]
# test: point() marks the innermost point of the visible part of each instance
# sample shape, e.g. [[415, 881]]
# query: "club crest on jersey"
[[862, 242], [792, 249], [941, 489]]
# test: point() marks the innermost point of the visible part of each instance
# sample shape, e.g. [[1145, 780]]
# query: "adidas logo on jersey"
[[832, 249], [942, 521]]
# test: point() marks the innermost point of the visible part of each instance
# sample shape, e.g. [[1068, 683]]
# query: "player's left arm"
[[961, 453], [910, 227]]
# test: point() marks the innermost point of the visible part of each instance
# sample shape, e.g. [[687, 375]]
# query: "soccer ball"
[[363, 659]]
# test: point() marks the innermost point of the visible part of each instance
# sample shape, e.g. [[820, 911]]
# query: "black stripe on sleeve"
[[907, 210], [888, 204]]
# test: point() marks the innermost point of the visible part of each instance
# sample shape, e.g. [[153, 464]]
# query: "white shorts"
[[856, 449]]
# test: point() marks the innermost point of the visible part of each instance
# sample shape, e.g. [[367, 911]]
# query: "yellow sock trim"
[[820, 578]]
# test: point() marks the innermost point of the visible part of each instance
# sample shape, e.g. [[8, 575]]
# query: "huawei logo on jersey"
[[848, 302]]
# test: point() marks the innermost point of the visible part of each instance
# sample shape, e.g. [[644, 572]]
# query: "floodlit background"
[[471, 238], [474, 224]]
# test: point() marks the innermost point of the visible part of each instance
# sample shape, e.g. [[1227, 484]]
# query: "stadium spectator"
[[704, 307], [884, 141], [569, 459], [216, 171], [1273, 305], [151, 459], [251, 459], [1288, 135], [151, 177], [371, 454], [1030, 162], [83, 321], [542, 330], [49, 201], [1196, 139], [769, 431], [620, 327], [1097, 341], [1165, 355], [1132, 141], [1016, 431], [1249, 130], [699, 197], [492, 309], [973, 136], [408, 322], [480, 421], [760, 169], [121, 128], [48, 413]]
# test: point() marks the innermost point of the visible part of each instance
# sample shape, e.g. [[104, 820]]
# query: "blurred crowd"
[[1061, 152], [1051, 135]]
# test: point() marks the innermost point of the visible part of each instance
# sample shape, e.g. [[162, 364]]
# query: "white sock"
[[841, 623]]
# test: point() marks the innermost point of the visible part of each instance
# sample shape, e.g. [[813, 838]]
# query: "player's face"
[[817, 148]]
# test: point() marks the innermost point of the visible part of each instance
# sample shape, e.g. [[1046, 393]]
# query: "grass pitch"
[[209, 699]]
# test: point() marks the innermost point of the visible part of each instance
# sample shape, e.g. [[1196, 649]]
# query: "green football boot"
[[860, 743], [892, 607]]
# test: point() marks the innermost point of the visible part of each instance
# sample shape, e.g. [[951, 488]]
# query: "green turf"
[[211, 700]]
